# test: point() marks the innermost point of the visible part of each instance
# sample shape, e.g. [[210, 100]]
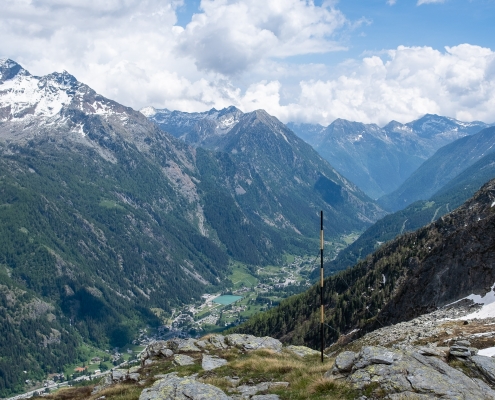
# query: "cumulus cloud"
[[237, 52], [409, 82], [429, 2], [133, 51], [230, 36]]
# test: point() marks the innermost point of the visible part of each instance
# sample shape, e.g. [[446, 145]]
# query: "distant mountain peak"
[[9, 69], [149, 111], [24, 96]]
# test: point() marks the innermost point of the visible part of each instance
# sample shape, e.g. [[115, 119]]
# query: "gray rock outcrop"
[[486, 365], [182, 359], [212, 362], [302, 351], [409, 375], [250, 342], [172, 387]]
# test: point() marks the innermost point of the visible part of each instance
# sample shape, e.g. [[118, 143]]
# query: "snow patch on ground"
[[488, 309], [489, 352]]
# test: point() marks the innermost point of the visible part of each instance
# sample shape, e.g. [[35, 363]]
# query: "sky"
[[370, 61]]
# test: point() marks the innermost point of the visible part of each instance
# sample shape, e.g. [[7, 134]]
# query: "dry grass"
[[304, 375], [263, 363], [80, 393], [120, 392], [324, 385]]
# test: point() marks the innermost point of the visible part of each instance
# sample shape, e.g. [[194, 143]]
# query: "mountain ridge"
[[439, 169], [379, 159]]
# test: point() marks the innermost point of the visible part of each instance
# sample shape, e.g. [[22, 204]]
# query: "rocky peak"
[[9, 69], [24, 96], [431, 125], [62, 80], [150, 111]]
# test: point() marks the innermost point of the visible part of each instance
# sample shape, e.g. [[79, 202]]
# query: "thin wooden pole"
[[321, 287]]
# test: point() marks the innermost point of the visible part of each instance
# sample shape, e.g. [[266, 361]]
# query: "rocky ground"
[[435, 356]]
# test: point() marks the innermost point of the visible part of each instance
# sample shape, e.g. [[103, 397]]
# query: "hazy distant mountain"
[[417, 214], [378, 160], [440, 168]]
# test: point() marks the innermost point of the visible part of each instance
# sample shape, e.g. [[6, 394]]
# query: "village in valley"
[[253, 289]]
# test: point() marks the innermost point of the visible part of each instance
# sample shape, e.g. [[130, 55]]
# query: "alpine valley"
[[115, 223], [105, 217]]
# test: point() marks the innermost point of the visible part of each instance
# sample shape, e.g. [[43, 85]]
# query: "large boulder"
[[302, 351], [183, 345], [486, 365], [409, 375], [182, 359], [345, 361], [250, 342], [172, 387], [212, 362], [217, 341]]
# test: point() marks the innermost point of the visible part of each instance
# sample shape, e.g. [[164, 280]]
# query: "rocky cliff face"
[[455, 259]]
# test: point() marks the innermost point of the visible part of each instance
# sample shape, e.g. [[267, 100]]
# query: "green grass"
[[351, 238], [240, 276], [110, 204], [289, 258]]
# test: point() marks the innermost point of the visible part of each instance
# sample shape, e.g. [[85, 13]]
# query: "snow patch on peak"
[[148, 111], [26, 97], [10, 69]]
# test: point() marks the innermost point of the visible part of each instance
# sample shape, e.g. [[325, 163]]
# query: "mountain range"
[[378, 160], [450, 195], [105, 217], [448, 162]]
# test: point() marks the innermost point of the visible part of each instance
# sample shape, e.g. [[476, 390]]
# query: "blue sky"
[[367, 60], [405, 23]]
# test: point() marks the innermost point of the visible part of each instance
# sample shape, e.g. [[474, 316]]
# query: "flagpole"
[[321, 286]]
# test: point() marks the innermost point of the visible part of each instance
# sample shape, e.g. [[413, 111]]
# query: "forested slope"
[[411, 275]]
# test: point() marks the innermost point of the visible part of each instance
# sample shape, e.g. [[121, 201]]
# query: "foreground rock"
[[407, 374], [303, 351], [212, 362], [176, 346], [171, 387], [250, 342]]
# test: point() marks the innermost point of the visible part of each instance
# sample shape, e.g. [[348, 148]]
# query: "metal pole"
[[321, 287]]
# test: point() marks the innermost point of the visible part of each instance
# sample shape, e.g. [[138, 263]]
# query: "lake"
[[227, 299]]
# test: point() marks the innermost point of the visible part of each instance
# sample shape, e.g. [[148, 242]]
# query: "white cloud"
[[412, 81], [420, 2], [391, 2], [230, 36], [132, 51]]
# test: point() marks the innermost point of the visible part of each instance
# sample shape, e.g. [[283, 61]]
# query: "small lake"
[[227, 299]]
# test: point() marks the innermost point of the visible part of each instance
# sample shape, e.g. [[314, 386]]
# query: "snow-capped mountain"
[[198, 129], [24, 96], [59, 107]]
